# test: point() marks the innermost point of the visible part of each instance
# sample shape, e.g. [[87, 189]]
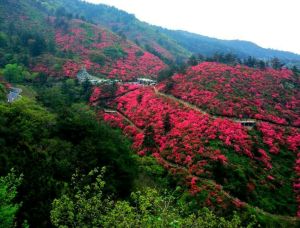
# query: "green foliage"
[[165, 74], [151, 174], [87, 206], [114, 52], [88, 29], [37, 45], [2, 92], [47, 147], [110, 89], [246, 179], [193, 61], [48, 144], [97, 58], [3, 40], [149, 137], [59, 95], [139, 53], [167, 123], [8, 192], [276, 64], [14, 73]]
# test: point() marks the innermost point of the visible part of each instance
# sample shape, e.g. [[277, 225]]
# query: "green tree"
[[8, 192], [192, 61], [30, 77], [16, 73], [2, 92], [37, 45], [276, 64], [86, 90], [3, 40], [167, 123], [47, 147], [149, 137], [115, 52], [84, 205], [261, 65], [97, 58], [13, 73]]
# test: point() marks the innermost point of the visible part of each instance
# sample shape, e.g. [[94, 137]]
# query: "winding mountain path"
[[185, 170], [196, 108], [206, 181], [129, 121]]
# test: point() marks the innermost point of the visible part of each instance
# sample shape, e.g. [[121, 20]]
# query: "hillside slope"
[[125, 25], [59, 45], [240, 92], [169, 45], [208, 46], [223, 163]]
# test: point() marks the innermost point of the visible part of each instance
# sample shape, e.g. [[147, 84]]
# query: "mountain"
[[208, 46], [223, 137], [125, 25], [61, 44], [169, 45], [231, 133]]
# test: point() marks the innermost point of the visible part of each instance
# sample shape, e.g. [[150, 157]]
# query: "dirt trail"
[[201, 179], [129, 121], [196, 108], [226, 194], [186, 104]]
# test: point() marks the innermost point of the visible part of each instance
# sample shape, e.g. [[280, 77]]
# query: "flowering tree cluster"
[[104, 53], [71, 68], [240, 92], [188, 131], [111, 91], [195, 146], [134, 65]]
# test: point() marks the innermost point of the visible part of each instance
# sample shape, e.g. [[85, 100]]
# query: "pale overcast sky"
[[269, 23]]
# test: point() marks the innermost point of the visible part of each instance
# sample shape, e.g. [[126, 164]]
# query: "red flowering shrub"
[[71, 68], [95, 95], [273, 136], [190, 130], [293, 140], [194, 145], [104, 91], [240, 92], [119, 58]]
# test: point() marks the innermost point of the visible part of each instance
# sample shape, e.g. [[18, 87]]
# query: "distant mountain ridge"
[[171, 44], [205, 45], [168, 45]]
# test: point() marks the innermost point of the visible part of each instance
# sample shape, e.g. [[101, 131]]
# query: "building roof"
[[13, 94], [145, 80]]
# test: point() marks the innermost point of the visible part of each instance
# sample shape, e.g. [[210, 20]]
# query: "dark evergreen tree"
[[167, 123], [192, 61], [149, 137], [276, 64]]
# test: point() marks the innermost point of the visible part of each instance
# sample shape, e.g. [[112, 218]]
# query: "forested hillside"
[[108, 121], [208, 46]]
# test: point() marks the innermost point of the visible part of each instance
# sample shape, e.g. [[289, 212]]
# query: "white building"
[[13, 94], [146, 81]]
